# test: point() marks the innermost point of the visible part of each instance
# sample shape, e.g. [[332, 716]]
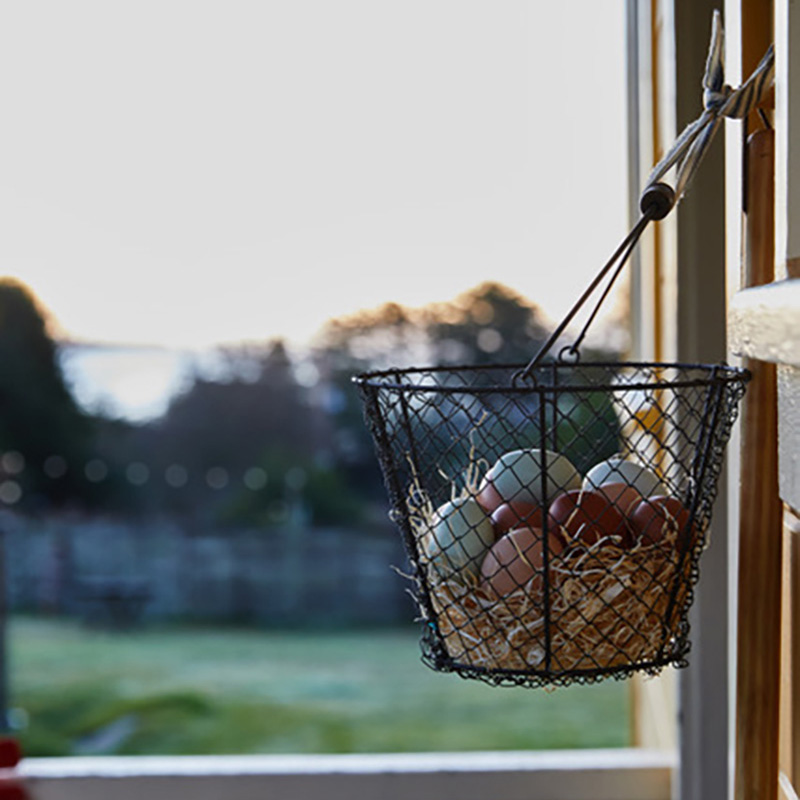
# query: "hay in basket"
[[601, 605]]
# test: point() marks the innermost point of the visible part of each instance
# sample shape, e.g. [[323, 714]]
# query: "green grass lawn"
[[190, 690]]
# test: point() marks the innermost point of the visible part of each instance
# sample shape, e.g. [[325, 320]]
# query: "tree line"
[[285, 435]]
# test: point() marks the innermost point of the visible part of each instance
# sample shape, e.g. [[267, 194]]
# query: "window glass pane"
[[200, 201]]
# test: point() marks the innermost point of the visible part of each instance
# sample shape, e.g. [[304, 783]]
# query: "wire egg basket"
[[554, 513], [553, 526]]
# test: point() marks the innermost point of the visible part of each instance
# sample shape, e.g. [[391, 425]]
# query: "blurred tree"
[[490, 324], [217, 430], [39, 419], [258, 404], [388, 336], [265, 415], [293, 489]]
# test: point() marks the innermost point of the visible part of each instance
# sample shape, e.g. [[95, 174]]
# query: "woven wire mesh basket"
[[554, 513], [554, 525]]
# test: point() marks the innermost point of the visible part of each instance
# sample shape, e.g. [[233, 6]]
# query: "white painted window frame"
[[620, 774]]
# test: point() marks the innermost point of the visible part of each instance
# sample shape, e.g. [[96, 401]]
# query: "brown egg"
[[589, 516], [489, 498], [516, 558], [508, 516], [624, 497], [654, 517]]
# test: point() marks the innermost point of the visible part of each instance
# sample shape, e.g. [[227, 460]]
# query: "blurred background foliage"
[[291, 425], [38, 415], [255, 499]]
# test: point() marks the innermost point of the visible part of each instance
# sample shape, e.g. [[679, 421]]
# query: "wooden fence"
[[122, 571]]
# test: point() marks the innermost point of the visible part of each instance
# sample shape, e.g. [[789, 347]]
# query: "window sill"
[[763, 322], [624, 774]]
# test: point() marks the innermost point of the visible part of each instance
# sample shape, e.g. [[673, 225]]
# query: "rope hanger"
[[719, 101]]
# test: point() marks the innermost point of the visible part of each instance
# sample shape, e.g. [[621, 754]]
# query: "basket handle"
[[658, 199]]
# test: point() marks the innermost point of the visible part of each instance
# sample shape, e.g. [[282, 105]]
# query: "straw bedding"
[[607, 605], [607, 608]]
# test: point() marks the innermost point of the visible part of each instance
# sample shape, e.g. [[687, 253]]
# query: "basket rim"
[[388, 378]]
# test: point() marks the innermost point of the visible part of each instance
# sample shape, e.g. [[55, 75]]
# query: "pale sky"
[[188, 172]]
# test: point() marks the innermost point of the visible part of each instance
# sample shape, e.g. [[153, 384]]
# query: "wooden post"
[[789, 761], [760, 539]]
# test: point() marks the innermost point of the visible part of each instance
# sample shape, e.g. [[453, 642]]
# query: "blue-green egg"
[[623, 470], [516, 477], [459, 537]]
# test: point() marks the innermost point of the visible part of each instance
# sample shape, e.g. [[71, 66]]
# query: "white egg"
[[517, 477], [461, 533], [621, 470]]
